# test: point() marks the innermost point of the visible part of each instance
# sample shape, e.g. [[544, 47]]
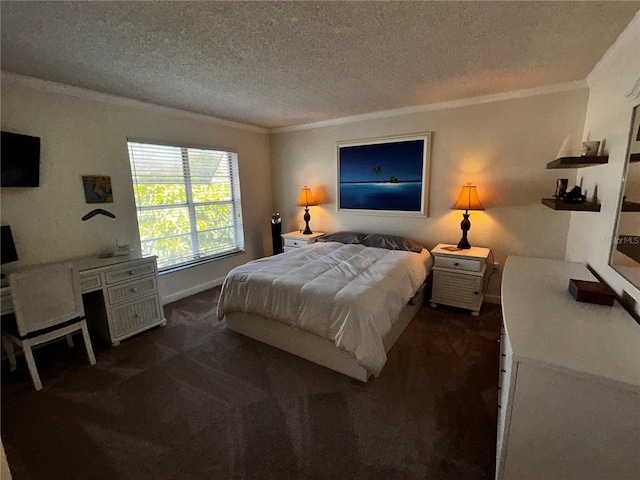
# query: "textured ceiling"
[[277, 64]]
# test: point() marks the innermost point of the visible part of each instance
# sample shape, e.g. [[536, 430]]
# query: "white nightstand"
[[297, 240], [458, 277]]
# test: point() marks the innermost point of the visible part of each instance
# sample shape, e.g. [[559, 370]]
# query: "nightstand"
[[297, 240], [458, 277]]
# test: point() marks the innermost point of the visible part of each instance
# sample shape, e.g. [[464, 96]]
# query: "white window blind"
[[188, 202]]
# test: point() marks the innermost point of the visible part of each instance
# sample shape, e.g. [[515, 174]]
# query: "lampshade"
[[306, 198], [468, 199]]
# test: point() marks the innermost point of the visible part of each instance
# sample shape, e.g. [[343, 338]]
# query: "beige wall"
[[501, 147], [80, 136], [608, 119]]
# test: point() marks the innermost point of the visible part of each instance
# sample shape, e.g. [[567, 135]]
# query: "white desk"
[[120, 295]]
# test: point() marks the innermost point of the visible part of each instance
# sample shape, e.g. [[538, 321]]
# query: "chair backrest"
[[45, 295]]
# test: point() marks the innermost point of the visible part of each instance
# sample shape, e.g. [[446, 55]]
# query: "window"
[[188, 203]]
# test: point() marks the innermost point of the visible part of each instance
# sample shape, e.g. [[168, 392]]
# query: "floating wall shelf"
[[559, 204], [577, 162], [630, 207]]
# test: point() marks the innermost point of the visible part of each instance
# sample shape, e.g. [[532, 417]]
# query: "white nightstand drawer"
[[298, 240], [290, 242], [458, 263]]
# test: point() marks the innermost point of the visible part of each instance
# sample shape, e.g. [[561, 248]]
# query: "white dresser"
[[569, 389], [458, 277], [120, 295], [297, 240]]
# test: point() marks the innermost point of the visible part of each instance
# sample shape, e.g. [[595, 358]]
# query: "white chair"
[[47, 302]]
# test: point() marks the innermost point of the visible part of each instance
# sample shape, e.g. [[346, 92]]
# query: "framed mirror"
[[625, 249]]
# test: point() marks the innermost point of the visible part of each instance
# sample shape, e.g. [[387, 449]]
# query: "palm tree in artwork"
[[377, 170]]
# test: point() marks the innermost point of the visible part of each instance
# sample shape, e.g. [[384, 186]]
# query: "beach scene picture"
[[382, 176]]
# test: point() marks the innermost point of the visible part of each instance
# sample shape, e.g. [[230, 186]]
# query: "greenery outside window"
[[188, 202]]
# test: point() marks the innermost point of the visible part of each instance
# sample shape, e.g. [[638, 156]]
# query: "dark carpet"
[[195, 401]]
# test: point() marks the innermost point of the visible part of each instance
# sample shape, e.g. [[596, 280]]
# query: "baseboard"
[[174, 297], [492, 299]]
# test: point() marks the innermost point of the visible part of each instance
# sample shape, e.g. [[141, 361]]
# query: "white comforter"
[[349, 294]]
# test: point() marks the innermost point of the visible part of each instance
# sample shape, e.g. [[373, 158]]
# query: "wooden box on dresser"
[[569, 384], [120, 295]]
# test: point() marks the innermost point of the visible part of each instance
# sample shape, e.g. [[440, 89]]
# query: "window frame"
[[235, 203]]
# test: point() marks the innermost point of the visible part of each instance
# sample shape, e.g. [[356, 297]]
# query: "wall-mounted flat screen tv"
[[20, 160]]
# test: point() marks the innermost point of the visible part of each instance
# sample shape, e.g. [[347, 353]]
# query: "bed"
[[341, 302]]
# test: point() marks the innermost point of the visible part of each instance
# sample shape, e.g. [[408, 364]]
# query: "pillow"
[[342, 237], [391, 242]]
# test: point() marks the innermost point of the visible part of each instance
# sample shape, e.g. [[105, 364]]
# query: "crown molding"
[[464, 102], [627, 39], [84, 93]]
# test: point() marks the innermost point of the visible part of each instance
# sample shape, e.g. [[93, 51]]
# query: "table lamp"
[[306, 200], [468, 200]]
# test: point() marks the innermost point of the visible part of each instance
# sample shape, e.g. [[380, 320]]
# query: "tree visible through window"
[[188, 202]]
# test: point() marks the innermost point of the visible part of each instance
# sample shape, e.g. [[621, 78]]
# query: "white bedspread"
[[349, 294]]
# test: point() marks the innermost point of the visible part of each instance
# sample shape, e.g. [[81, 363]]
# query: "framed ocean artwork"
[[387, 175]]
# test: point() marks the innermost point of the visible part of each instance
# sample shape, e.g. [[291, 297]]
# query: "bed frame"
[[313, 348]]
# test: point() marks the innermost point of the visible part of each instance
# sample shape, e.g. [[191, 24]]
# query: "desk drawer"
[[132, 289], [136, 316], [90, 282], [458, 263], [130, 272]]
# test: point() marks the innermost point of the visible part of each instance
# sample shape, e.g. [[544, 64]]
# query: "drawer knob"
[[475, 293], [132, 272], [134, 290], [457, 264]]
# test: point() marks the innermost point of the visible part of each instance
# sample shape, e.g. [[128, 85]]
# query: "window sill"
[[196, 263]]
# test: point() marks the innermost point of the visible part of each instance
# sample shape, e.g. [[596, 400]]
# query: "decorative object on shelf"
[[97, 189], [574, 195], [468, 200], [591, 292], [306, 200], [590, 149], [97, 211], [384, 175], [561, 187]]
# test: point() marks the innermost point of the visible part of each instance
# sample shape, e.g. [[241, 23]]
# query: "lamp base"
[[465, 226], [307, 217], [464, 244]]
